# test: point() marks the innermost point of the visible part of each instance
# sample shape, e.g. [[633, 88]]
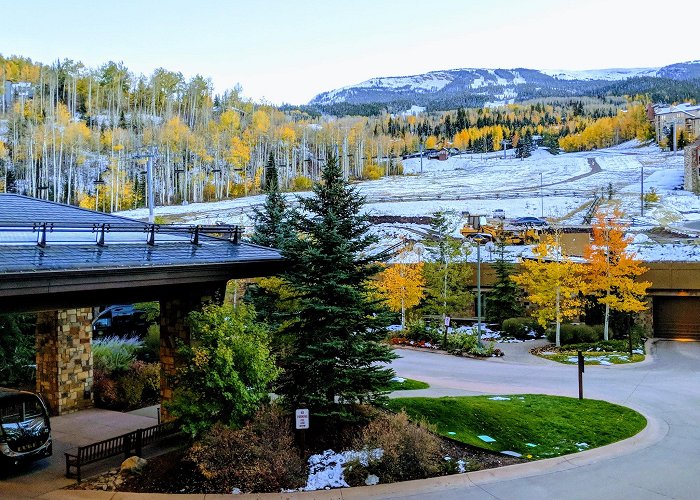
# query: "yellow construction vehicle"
[[477, 227]]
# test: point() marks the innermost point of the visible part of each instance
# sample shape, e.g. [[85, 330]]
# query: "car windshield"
[[21, 416]]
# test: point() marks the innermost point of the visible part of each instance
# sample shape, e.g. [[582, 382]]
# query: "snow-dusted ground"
[[555, 186]]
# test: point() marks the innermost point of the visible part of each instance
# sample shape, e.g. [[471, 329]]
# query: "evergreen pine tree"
[[10, 181], [271, 224], [504, 301], [272, 229], [338, 326]]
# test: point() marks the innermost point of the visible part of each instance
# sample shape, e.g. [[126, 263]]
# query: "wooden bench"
[[127, 444]]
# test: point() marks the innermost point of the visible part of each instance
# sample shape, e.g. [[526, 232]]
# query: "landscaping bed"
[[407, 451], [612, 352]]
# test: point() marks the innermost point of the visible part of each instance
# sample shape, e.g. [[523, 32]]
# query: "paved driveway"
[[666, 464], [663, 461]]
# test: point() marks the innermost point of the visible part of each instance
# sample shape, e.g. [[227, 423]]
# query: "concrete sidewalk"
[[70, 431]]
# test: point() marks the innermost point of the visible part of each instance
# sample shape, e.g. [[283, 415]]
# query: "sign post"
[[580, 374], [447, 324], [302, 423]]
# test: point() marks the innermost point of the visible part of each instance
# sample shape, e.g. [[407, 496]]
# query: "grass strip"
[[408, 384]]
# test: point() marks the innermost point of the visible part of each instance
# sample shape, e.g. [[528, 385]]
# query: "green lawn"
[[533, 425], [408, 384]]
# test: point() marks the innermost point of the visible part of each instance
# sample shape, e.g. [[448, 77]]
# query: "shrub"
[[151, 344], [419, 330], [105, 389], [651, 197], [301, 183], [484, 350], [410, 451], [17, 351], [228, 368], [603, 346], [520, 327], [259, 457], [372, 172], [461, 343], [115, 354], [140, 386], [574, 334], [599, 331]]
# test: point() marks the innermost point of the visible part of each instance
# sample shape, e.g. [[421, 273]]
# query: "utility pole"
[[541, 198], [421, 156]]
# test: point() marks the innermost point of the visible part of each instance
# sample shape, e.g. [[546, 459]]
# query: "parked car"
[[499, 213], [121, 321], [25, 429], [529, 221]]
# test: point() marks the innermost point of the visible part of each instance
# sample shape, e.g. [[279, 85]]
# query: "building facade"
[[684, 116], [691, 177]]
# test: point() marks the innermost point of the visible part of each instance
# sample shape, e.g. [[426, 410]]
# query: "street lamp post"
[[641, 195], [479, 240]]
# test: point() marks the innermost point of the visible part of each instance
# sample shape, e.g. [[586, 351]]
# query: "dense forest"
[[67, 130]]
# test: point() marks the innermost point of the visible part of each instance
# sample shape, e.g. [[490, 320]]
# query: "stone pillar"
[[174, 329], [64, 359], [646, 318]]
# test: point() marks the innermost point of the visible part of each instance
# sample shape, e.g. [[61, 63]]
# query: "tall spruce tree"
[[271, 224], [272, 229], [338, 326], [505, 299]]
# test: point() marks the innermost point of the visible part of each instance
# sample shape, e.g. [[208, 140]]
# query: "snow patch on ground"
[[326, 469]]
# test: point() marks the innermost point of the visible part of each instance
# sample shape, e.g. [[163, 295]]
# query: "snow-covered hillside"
[[558, 187], [494, 84], [468, 78], [612, 74]]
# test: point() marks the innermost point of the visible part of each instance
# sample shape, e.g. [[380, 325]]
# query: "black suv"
[[121, 321]]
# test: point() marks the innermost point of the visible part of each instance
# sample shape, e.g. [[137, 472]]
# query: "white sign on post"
[[302, 418], [447, 321]]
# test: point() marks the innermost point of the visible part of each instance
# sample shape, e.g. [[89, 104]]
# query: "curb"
[[654, 431]]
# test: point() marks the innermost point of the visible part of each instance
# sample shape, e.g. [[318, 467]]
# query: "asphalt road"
[[666, 388]]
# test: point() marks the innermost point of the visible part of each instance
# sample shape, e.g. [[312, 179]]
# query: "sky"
[[290, 50]]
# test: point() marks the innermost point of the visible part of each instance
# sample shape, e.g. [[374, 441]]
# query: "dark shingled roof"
[[71, 268], [67, 251]]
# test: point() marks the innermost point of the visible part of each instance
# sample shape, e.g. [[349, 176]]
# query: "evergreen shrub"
[[520, 328], [574, 334]]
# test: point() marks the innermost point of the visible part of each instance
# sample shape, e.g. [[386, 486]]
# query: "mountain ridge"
[[494, 86]]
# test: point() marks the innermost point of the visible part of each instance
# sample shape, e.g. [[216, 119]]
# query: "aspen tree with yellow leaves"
[[552, 283], [402, 285], [611, 273]]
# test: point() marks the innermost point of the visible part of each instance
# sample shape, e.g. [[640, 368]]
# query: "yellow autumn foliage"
[[550, 274]]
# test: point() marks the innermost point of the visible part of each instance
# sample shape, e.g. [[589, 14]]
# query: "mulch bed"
[[169, 473]]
